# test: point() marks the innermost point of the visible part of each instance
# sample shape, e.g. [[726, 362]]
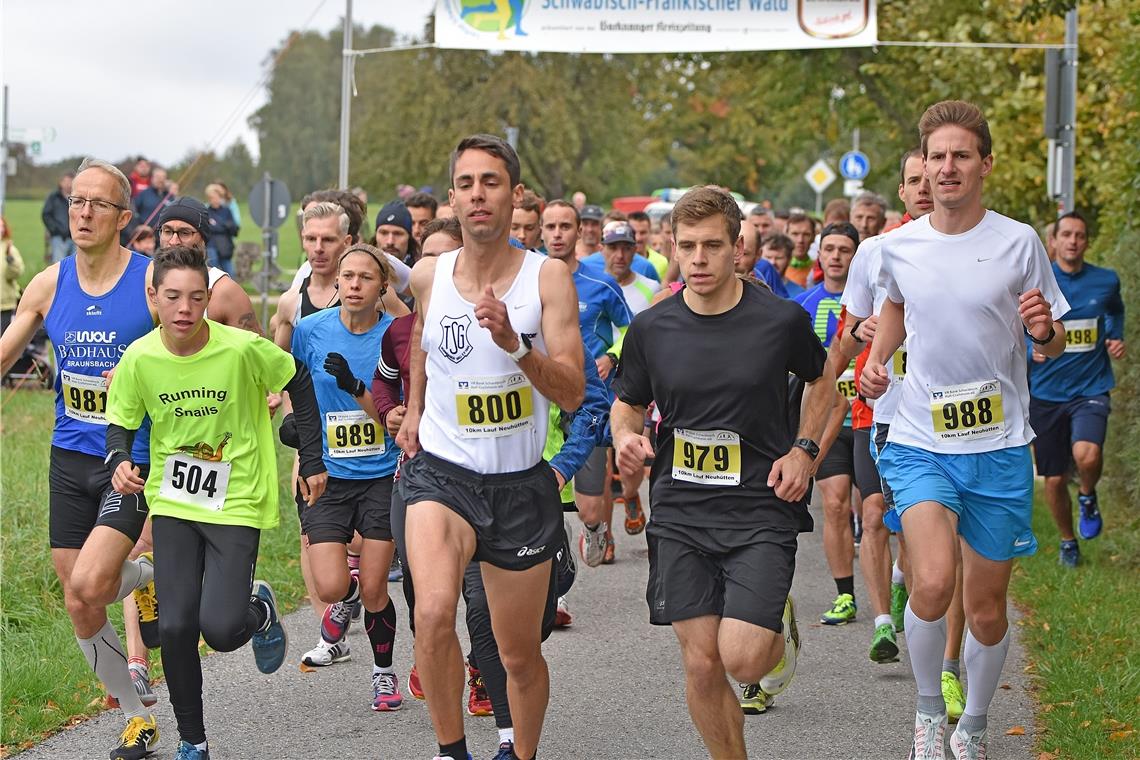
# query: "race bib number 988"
[[709, 457], [967, 412]]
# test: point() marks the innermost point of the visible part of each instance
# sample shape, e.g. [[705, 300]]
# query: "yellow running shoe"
[[953, 695], [147, 602], [137, 740], [755, 700]]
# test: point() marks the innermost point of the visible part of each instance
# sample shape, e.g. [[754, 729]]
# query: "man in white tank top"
[[498, 341]]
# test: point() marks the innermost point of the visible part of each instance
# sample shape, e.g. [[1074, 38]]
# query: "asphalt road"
[[617, 690]]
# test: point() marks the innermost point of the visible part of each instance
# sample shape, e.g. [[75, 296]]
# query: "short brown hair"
[[375, 254], [837, 208], [423, 200], [532, 201], [912, 153], [957, 113], [496, 146], [779, 241], [700, 203], [559, 203], [448, 225], [798, 218], [613, 215], [179, 257]]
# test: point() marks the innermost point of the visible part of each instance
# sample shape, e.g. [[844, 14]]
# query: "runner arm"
[[889, 336], [307, 416], [233, 307], [587, 426], [34, 304], [559, 375], [408, 438]]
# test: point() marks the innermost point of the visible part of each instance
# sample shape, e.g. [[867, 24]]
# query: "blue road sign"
[[854, 165]]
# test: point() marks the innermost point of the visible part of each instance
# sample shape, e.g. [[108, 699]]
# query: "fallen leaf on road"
[[1016, 731], [1006, 686], [306, 669]]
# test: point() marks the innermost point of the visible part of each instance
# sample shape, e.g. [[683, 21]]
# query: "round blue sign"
[[854, 165]]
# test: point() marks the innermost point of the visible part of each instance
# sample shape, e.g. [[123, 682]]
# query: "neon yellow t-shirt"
[[211, 442], [659, 262]]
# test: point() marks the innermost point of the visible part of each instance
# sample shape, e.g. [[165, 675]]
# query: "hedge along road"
[[617, 689]]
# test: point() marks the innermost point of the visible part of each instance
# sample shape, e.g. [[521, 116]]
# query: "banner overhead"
[[653, 26]]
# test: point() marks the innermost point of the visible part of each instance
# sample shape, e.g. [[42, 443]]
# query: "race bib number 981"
[[352, 434], [709, 457], [194, 481], [967, 412], [84, 397], [489, 407]]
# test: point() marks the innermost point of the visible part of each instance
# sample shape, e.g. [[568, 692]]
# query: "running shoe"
[[437, 757], [929, 737], [386, 695], [634, 515], [506, 751], [396, 571], [335, 621], [357, 611], [608, 557], [325, 654], [414, 686], [754, 700], [562, 617], [781, 676], [478, 703], [842, 611], [1090, 522], [147, 602], [884, 645], [271, 643], [140, 679], [187, 751], [137, 740], [899, 597], [953, 696], [966, 745], [1070, 553], [592, 544]]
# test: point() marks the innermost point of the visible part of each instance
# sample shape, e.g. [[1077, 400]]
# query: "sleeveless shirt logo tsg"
[[455, 345]]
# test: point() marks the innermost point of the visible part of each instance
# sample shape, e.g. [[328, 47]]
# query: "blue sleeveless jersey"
[[89, 335], [355, 448]]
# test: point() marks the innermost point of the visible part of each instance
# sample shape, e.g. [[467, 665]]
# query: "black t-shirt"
[[721, 385]]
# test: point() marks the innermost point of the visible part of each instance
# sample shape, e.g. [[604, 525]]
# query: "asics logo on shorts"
[[526, 551]]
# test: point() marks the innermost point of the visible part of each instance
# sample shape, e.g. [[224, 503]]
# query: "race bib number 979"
[[198, 482], [489, 407], [84, 397], [708, 457], [967, 412]]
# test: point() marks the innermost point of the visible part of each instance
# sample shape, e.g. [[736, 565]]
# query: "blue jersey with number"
[[355, 447], [1096, 314], [824, 308], [601, 308], [89, 335]]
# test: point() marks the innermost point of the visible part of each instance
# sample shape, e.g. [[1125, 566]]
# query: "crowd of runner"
[[479, 369]]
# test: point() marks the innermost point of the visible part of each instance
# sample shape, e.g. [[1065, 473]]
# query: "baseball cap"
[[592, 212], [618, 233]]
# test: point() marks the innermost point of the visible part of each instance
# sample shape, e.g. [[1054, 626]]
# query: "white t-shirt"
[[965, 389], [863, 297], [639, 293], [401, 274]]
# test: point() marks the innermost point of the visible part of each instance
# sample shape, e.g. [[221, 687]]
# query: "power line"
[[997, 45]]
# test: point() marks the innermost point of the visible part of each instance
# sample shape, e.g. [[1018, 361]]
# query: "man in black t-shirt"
[[729, 474]]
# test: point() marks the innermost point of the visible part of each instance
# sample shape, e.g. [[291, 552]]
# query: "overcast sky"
[[114, 78]]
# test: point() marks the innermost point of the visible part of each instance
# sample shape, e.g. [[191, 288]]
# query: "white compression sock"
[[926, 640], [104, 653], [983, 671], [135, 575], [896, 574]]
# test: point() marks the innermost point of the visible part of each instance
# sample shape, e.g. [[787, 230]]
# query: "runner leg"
[[710, 697]]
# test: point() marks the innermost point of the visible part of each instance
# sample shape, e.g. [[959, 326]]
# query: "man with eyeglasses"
[[93, 305]]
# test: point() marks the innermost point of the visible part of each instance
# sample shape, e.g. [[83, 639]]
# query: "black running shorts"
[[80, 497], [347, 505], [739, 573], [840, 459], [866, 472], [1060, 425], [517, 516]]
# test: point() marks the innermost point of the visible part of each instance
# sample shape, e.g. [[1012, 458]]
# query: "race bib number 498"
[[1080, 335], [967, 412], [489, 407], [84, 397], [709, 457]]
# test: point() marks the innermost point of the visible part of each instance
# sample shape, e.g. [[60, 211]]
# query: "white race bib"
[[1080, 335], [194, 481], [353, 434], [84, 397], [490, 407], [708, 457], [967, 412]]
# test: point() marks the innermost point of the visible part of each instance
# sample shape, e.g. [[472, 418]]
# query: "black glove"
[[337, 366], [288, 432]]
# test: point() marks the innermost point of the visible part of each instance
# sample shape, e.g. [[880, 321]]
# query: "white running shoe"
[[965, 745], [140, 679], [592, 544], [324, 654], [929, 736], [781, 676]]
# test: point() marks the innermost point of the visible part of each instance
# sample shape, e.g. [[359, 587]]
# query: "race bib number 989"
[[194, 481], [489, 407], [84, 397], [968, 412], [352, 434], [709, 457]]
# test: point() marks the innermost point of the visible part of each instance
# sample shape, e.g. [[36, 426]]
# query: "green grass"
[[1080, 633], [46, 681], [28, 234]]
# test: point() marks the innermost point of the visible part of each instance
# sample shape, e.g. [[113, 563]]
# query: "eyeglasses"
[[182, 233], [99, 206]]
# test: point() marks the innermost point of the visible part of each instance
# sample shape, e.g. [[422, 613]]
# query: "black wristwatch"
[[613, 358], [808, 445], [855, 327], [1052, 334]]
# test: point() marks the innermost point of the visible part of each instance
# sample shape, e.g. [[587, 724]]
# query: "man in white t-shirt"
[[964, 285]]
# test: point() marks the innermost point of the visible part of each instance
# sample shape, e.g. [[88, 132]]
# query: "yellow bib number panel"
[[1080, 335], [967, 412], [708, 457], [490, 407], [84, 397], [353, 434]]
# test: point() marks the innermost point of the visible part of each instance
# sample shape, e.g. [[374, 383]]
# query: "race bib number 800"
[[968, 412], [709, 457], [198, 482], [490, 407], [84, 397]]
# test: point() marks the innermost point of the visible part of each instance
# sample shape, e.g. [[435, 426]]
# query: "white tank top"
[[215, 274], [481, 411]]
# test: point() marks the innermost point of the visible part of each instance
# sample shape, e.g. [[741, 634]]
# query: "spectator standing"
[[11, 267], [140, 176], [55, 220], [149, 203], [223, 230]]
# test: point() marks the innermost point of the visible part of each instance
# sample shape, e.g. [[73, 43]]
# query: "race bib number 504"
[[84, 397], [198, 482], [967, 412], [709, 457]]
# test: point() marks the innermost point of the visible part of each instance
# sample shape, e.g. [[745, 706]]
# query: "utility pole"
[[4, 152], [347, 56], [1067, 137]]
